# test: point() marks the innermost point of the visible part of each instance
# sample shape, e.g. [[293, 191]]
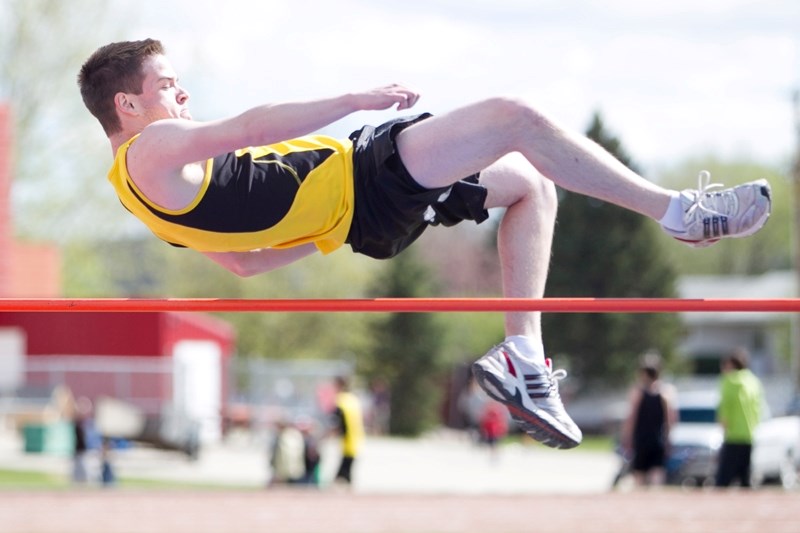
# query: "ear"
[[126, 104]]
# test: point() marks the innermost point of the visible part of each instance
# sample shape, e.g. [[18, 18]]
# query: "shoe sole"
[[531, 422]]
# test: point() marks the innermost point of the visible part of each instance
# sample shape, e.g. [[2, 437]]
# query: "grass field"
[[11, 480]]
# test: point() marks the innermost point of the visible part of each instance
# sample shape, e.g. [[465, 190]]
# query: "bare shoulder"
[[160, 138], [634, 393], [162, 168], [148, 159], [669, 392], [174, 143]]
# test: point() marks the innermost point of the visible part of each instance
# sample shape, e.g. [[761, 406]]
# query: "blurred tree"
[[406, 349], [465, 262], [769, 249], [61, 154], [601, 250]]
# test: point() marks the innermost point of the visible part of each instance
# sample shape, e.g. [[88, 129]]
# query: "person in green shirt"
[[739, 412]]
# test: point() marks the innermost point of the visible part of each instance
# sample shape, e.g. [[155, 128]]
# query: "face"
[[161, 96]]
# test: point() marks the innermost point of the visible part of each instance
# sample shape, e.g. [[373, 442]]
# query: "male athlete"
[[259, 190]]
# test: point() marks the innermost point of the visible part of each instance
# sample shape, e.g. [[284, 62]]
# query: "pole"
[[795, 320]]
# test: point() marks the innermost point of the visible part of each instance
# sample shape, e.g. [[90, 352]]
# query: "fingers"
[[411, 98], [404, 96]]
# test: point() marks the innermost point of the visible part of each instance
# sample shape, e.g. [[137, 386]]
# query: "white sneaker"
[[710, 216], [530, 391]]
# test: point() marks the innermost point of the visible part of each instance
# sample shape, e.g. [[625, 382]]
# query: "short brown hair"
[[738, 358], [114, 68], [650, 365]]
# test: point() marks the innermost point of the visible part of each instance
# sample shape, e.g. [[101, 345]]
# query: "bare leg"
[[441, 150], [525, 236], [444, 149], [658, 476]]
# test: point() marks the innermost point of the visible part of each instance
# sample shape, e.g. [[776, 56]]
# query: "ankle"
[[530, 348], [672, 221]]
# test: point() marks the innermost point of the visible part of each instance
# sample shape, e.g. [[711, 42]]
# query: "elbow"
[[235, 263], [242, 270]]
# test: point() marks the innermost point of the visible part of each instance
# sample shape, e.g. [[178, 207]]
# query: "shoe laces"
[[554, 377], [710, 203]]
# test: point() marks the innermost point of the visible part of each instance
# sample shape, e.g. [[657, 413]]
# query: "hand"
[[386, 97]]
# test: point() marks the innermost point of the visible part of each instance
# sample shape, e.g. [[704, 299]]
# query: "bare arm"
[[626, 436], [247, 264], [669, 397], [671, 404], [167, 145]]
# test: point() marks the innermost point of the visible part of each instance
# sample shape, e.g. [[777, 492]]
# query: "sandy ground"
[[303, 511]]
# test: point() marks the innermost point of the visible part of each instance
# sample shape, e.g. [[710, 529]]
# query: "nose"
[[183, 95]]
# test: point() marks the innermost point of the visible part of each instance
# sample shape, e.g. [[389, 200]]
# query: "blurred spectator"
[[471, 404], [83, 429], [311, 454], [645, 431], [493, 424], [107, 477], [287, 454], [739, 412], [348, 422]]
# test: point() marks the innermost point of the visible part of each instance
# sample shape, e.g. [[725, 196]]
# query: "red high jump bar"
[[402, 305]]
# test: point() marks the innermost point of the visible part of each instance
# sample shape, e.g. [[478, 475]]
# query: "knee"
[[516, 115], [514, 180], [543, 193]]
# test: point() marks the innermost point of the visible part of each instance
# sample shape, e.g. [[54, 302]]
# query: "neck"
[[118, 139]]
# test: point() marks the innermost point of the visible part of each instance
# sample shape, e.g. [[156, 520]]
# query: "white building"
[[709, 336]]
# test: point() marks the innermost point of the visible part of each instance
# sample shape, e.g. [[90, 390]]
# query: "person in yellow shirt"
[[349, 424]]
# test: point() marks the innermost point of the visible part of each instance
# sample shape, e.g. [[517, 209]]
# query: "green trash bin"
[[55, 438]]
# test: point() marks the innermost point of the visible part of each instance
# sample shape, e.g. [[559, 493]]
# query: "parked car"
[[696, 439]]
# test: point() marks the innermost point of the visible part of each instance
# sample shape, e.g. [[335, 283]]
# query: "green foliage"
[[469, 335], [601, 250], [405, 350], [769, 249]]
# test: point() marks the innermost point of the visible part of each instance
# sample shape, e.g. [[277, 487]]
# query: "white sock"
[[672, 221], [529, 348]]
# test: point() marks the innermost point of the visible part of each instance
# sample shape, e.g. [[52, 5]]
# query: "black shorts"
[[391, 209], [648, 456]]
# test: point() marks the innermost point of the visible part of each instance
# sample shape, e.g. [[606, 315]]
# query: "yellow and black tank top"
[[277, 196]]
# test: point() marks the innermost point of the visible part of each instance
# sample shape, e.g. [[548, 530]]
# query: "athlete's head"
[[132, 79]]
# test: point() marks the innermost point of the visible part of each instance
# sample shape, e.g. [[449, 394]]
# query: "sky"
[[672, 79]]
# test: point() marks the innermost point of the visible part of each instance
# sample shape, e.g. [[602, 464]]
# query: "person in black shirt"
[[645, 432]]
